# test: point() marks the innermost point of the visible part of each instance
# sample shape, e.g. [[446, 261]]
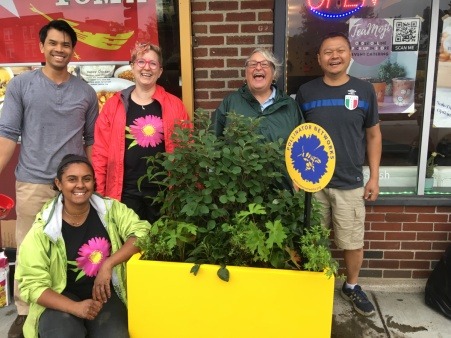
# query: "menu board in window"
[[106, 30]]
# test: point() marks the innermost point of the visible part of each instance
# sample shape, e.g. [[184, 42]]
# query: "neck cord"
[[76, 215]]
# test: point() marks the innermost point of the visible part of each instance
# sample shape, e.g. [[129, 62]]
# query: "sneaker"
[[16, 329], [358, 299]]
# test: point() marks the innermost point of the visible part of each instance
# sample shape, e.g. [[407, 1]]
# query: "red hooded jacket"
[[109, 137]]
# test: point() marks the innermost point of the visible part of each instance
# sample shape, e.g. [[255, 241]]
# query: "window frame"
[[280, 50]]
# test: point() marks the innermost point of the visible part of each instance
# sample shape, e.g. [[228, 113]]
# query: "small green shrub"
[[220, 204], [430, 164], [390, 70]]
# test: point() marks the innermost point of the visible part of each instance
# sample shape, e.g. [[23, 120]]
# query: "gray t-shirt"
[[52, 120]]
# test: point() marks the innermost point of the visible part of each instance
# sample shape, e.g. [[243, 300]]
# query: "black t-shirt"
[[87, 247], [144, 137], [330, 107]]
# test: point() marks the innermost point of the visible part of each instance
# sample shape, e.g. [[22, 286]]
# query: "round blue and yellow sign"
[[310, 157]]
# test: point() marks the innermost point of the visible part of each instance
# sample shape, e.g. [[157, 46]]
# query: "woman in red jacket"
[[136, 122]]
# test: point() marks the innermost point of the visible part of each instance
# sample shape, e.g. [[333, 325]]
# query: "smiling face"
[[76, 185], [334, 57], [148, 74], [259, 78], [57, 49]]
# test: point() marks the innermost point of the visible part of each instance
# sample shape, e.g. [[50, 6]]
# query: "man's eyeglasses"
[[263, 64], [141, 63]]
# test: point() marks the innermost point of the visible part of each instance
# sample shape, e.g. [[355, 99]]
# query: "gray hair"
[[268, 55]]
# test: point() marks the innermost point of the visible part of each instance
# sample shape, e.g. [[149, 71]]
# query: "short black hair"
[[61, 26], [333, 35]]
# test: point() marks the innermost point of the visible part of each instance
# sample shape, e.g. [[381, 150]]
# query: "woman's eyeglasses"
[[141, 63], [263, 64]]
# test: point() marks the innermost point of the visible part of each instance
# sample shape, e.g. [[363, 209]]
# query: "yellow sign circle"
[[310, 157]]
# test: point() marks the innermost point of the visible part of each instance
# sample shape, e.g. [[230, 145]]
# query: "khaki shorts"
[[346, 209], [30, 198]]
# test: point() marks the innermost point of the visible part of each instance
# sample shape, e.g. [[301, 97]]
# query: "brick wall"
[[403, 241], [225, 33], [400, 241]]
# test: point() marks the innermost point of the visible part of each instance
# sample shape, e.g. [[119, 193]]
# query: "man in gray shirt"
[[54, 113]]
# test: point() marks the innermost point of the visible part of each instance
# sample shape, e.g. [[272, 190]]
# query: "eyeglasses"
[[141, 63], [263, 64]]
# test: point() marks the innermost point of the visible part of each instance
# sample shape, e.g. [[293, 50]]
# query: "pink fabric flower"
[[147, 131], [92, 255]]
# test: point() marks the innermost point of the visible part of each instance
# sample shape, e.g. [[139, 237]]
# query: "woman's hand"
[[101, 290], [87, 309]]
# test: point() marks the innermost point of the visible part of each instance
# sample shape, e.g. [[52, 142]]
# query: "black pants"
[[111, 322], [142, 206]]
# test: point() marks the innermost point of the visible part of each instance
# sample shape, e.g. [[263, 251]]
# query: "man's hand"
[[371, 190]]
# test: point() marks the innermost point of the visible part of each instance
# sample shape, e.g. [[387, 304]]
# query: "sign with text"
[[442, 107], [338, 9], [106, 29], [385, 53], [310, 157]]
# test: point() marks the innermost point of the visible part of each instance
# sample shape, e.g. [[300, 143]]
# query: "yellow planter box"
[[166, 300]]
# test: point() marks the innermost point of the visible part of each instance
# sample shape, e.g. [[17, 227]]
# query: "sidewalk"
[[400, 313], [7, 316]]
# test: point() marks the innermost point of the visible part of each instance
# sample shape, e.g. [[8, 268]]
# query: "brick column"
[[225, 32]]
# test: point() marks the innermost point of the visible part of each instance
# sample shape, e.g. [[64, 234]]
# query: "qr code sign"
[[406, 31]]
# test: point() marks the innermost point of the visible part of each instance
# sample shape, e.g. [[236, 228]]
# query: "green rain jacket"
[[278, 120], [42, 255]]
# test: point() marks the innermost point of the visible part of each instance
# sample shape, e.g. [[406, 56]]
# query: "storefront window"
[[440, 130], [391, 49], [106, 34]]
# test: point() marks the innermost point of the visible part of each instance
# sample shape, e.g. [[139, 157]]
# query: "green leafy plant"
[[388, 71], [221, 205], [315, 246], [430, 164]]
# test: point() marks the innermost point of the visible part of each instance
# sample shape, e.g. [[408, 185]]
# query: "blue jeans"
[[111, 322]]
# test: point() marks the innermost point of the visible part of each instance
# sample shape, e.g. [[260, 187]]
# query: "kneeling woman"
[[72, 261]]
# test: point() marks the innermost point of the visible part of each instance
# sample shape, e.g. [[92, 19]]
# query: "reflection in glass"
[[401, 131]]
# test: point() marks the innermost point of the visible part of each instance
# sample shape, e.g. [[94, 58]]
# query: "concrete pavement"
[[400, 313]]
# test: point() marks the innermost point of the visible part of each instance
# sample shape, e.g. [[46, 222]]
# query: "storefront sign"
[[442, 108], [310, 157], [98, 2], [385, 52], [106, 29], [338, 8]]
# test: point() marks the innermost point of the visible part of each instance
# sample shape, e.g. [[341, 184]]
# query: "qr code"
[[406, 31]]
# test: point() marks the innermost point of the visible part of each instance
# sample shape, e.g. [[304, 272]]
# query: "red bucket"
[[6, 205]]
